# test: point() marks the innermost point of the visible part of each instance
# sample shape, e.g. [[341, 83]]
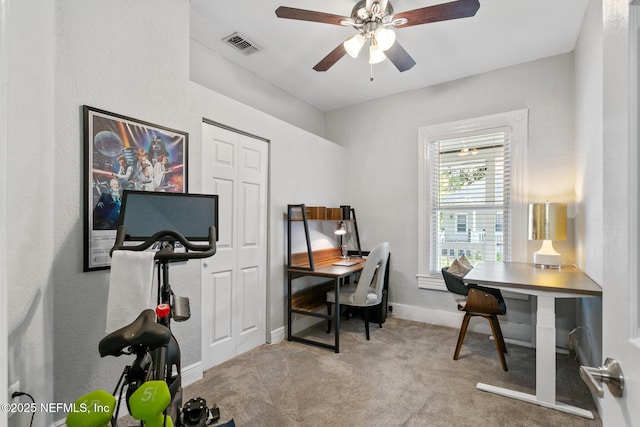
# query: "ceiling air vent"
[[242, 43]]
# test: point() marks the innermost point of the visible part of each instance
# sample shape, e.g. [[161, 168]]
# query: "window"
[[461, 224], [471, 193], [470, 173]]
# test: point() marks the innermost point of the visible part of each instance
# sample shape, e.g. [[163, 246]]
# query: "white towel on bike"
[[130, 285]]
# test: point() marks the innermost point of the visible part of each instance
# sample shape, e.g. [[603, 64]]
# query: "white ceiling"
[[501, 34]]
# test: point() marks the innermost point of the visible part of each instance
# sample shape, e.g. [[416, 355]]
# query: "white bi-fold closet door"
[[234, 280]]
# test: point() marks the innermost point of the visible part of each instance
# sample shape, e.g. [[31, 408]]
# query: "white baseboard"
[[511, 331], [278, 335], [192, 373]]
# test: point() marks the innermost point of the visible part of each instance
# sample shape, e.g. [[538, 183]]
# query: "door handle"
[[610, 373]]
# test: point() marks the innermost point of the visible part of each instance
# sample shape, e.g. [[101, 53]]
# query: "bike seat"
[[143, 331]]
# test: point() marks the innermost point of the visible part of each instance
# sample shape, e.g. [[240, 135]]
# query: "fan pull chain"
[[371, 74]]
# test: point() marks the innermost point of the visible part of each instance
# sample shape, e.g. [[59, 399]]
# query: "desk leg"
[[336, 315], [546, 350], [289, 314], [545, 365]]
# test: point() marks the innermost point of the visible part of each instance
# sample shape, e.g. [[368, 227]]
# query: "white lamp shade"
[[354, 45], [385, 38], [376, 55]]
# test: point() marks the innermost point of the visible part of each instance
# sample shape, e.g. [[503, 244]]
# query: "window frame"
[[517, 122]]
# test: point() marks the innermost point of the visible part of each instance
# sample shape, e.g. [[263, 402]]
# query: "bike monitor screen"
[[144, 213]]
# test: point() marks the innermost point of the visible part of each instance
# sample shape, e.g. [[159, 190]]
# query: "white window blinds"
[[470, 197]]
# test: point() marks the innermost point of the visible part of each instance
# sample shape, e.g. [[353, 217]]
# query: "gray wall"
[[129, 62], [213, 71], [61, 59], [589, 173], [30, 199], [383, 172]]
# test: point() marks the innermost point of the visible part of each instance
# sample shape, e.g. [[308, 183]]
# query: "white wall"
[[131, 59], [589, 172], [382, 139], [211, 70], [30, 197]]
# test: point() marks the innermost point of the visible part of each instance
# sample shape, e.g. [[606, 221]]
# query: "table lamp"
[[547, 222], [342, 231]]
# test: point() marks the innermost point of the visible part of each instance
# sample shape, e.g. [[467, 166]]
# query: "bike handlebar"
[[197, 251]]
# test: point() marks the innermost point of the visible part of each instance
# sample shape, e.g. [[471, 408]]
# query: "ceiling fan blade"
[[440, 12], [334, 56], [310, 15], [399, 57]]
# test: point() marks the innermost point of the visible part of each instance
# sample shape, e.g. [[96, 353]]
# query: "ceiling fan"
[[373, 19]]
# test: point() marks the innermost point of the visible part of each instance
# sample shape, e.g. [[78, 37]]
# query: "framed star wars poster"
[[122, 153]]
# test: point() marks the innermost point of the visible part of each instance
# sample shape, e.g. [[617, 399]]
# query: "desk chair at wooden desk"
[[367, 293]]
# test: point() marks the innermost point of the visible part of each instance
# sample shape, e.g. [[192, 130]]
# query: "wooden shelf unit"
[[319, 264], [312, 298], [298, 213]]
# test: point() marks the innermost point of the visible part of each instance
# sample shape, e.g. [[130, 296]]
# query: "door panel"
[[221, 285], [224, 189], [251, 208], [249, 287], [621, 107], [252, 242], [234, 279]]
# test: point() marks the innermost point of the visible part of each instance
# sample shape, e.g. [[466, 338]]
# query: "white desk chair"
[[367, 293]]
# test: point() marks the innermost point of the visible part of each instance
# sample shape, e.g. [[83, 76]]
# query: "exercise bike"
[[152, 383]]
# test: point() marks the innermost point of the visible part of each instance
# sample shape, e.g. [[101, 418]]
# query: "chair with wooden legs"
[[480, 301]]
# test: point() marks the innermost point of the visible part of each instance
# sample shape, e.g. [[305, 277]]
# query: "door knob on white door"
[[610, 373]]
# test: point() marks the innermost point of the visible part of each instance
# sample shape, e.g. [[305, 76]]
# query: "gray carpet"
[[404, 376]]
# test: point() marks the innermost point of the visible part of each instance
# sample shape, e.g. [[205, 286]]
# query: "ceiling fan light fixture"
[[354, 45], [369, 16], [385, 37], [376, 55]]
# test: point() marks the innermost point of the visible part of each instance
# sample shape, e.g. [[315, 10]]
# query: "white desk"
[[546, 285]]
